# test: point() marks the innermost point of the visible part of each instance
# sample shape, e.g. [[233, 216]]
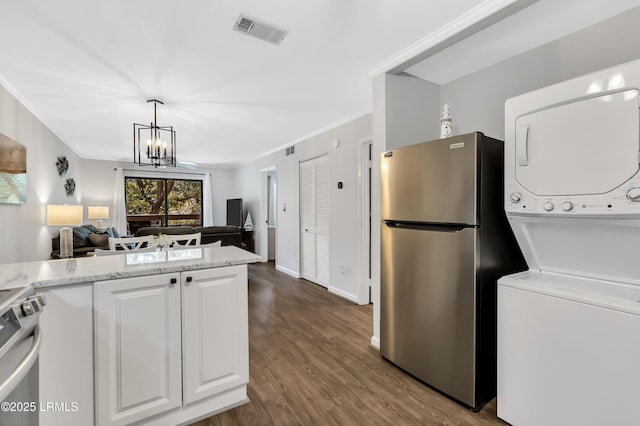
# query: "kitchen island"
[[145, 338]]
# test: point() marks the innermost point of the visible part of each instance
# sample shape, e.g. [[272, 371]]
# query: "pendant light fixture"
[[154, 145]]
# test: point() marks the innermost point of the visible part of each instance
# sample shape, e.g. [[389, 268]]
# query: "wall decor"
[[63, 165], [13, 171], [446, 126], [70, 186]]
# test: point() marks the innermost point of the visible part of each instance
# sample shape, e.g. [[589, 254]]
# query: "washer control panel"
[[623, 200]]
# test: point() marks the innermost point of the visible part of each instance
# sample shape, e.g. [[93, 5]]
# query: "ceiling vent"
[[261, 30]]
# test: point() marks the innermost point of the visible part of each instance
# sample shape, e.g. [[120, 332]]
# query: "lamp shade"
[[64, 215], [97, 212]]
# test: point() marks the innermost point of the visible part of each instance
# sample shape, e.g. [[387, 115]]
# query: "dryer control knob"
[[634, 194], [515, 197], [548, 206], [567, 206]]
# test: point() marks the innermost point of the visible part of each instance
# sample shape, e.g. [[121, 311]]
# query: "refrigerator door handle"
[[444, 227]]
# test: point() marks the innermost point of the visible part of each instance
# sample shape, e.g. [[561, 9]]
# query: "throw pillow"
[[99, 240], [113, 232], [81, 236]]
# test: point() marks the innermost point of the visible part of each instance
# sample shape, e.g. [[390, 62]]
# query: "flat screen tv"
[[234, 212]]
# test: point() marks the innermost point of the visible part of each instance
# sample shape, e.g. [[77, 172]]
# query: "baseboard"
[[287, 271], [375, 342], [343, 294]]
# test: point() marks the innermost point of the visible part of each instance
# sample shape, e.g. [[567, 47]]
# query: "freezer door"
[[428, 310], [432, 181]]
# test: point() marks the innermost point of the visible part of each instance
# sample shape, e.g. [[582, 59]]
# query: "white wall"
[[25, 235], [477, 100], [343, 211], [248, 186], [412, 110]]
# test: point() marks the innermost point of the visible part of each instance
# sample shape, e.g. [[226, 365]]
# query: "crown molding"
[[475, 20]]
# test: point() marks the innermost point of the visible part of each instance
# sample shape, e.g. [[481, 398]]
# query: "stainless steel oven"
[[19, 349]]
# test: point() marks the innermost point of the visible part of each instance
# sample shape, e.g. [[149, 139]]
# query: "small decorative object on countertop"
[[446, 127], [161, 241]]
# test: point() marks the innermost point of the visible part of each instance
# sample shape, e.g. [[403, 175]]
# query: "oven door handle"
[[24, 367]]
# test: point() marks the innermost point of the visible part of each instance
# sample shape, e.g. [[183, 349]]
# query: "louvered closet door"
[[314, 220]]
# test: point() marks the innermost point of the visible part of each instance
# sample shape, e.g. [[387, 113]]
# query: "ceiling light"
[[154, 145]]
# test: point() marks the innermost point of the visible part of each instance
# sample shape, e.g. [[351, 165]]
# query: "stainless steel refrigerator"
[[445, 241]]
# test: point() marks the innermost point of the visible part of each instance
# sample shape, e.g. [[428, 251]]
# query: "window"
[[162, 202]]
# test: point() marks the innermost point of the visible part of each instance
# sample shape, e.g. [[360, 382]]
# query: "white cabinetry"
[[164, 342], [214, 331], [138, 350]]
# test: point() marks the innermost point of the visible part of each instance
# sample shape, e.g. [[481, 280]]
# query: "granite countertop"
[[51, 273]]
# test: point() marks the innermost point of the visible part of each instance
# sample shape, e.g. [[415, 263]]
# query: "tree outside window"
[[162, 202]]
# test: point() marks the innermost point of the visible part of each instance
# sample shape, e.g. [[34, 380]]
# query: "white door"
[[314, 220], [137, 348], [215, 331]]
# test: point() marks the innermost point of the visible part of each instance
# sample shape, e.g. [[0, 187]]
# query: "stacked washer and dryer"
[[569, 328]]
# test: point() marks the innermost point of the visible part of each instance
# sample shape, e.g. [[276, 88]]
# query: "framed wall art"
[[13, 171]]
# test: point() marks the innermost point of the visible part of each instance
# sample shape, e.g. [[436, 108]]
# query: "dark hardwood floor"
[[311, 364]]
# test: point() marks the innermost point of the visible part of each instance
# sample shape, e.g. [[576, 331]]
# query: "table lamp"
[[65, 216], [99, 213]]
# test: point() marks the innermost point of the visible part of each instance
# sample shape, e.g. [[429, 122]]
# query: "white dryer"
[[569, 328]]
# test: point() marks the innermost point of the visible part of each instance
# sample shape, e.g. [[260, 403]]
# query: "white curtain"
[[207, 201], [119, 207]]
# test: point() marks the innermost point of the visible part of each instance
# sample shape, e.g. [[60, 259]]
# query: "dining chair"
[[186, 239], [131, 243]]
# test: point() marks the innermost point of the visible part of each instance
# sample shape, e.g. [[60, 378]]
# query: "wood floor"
[[311, 364]]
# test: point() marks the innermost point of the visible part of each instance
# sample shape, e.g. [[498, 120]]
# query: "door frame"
[[364, 256], [262, 227]]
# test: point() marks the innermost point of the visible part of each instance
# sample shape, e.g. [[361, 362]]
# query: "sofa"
[[228, 235], [86, 239]]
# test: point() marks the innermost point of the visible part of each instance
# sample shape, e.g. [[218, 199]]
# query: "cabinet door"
[[214, 331], [137, 348]]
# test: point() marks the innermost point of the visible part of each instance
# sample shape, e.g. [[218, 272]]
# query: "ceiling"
[[87, 67]]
